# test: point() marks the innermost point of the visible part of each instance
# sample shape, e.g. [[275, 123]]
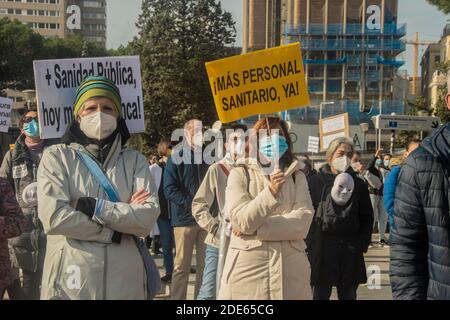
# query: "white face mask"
[[98, 125], [341, 164]]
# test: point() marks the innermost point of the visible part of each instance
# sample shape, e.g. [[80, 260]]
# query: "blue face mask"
[[267, 146], [386, 163], [31, 129]]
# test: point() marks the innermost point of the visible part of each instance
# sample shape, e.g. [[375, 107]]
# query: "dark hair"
[[411, 142], [357, 153], [21, 121], [274, 122], [239, 126]]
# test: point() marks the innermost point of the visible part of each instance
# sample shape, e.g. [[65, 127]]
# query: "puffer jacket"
[[268, 260], [12, 222], [18, 167], [420, 235], [83, 261]]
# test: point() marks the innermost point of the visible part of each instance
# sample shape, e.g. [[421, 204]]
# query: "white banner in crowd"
[[58, 80], [5, 114], [313, 144]]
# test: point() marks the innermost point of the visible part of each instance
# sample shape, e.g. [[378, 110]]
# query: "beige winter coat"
[[268, 262], [81, 262]]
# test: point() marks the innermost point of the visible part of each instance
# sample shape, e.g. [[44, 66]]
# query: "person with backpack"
[[20, 167], [341, 231], [96, 197], [208, 208], [270, 211]]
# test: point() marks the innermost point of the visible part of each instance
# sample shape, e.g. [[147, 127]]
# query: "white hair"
[[335, 144]]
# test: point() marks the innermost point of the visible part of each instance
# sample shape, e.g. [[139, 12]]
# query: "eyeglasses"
[[28, 119]]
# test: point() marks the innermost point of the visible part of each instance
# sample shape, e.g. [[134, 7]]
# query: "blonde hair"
[[396, 161], [335, 144]]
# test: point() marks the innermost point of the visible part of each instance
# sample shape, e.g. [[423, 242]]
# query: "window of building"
[[93, 4], [3, 11]]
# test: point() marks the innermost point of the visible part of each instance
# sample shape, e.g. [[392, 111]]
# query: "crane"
[[416, 43]]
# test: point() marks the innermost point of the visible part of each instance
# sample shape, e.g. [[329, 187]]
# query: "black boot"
[[148, 242]]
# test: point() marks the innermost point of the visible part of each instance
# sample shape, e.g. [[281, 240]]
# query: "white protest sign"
[[5, 114], [332, 128], [313, 144], [58, 80]]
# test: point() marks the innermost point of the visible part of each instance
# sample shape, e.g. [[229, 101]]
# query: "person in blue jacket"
[[390, 183], [182, 178]]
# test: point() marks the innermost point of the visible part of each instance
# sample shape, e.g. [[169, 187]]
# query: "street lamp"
[[323, 103], [364, 129]]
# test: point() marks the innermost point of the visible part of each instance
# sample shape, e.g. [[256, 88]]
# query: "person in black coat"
[[341, 230], [420, 234]]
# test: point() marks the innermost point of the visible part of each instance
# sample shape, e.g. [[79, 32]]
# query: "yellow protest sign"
[[260, 82]]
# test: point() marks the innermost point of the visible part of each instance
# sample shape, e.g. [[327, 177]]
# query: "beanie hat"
[[95, 86]]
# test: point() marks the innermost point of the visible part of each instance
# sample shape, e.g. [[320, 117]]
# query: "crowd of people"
[[73, 213]]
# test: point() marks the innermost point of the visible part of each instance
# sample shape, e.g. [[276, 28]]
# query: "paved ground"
[[376, 259]]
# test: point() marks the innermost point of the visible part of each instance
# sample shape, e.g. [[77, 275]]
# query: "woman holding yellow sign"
[[270, 216]]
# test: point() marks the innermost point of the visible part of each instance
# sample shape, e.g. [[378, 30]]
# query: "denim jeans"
[[379, 214], [167, 243], [208, 288]]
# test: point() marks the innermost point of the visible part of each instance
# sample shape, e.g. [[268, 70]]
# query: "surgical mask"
[[341, 164], [98, 125], [387, 163], [342, 189], [237, 148], [356, 165], [378, 162], [31, 129], [268, 146]]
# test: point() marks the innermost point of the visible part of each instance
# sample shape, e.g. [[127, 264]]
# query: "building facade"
[[350, 50], [60, 18], [432, 79]]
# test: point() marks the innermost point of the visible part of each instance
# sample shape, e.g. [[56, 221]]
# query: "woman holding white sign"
[[270, 217], [92, 223]]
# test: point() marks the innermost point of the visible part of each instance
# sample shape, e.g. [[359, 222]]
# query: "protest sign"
[[58, 80], [5, 114], [313, 144], [260, 82], [332, 128]]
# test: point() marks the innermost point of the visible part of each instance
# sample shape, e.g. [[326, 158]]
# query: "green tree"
[[441, 110], [442, 5], [122, 50], [175, 40], [19, 46]]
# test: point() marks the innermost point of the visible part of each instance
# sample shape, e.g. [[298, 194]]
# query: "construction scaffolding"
[[350, 50]]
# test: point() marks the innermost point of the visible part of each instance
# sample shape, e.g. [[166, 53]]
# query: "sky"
[[417, 14]]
